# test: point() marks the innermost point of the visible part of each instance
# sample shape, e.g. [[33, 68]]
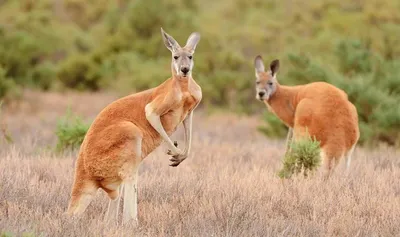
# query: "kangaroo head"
[[182, 57], [266, 82]]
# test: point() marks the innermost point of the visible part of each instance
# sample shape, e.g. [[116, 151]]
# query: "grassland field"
[[227, 187]]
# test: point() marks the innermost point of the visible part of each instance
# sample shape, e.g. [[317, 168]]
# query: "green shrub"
[[44, 75], [79, 72], [70, 132], [353, 57], [8, 88], [28, 234], [18, 51], [10, 234], [31, 43], [303, 157], [6, 234]]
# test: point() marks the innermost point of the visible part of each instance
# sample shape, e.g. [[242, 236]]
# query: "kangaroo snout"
[[185, 70], [261, 94]]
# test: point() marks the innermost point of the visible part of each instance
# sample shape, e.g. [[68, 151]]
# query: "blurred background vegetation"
[[116, 45]]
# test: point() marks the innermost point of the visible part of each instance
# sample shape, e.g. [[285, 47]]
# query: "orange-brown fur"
[[121, 137], [121, 122], [320, 109]]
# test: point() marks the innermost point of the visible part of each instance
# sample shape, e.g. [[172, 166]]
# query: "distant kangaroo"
[[130, 128], [318, 108]]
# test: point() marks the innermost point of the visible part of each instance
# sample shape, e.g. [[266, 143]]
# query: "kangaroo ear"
[[192, 41], [259, 64], [274, 66], [169, 41]]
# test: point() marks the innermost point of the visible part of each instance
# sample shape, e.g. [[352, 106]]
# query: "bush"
[[44, 75], [10, 234], [79, 72], [6, 234], [353, 57], [17, 54], [303, 157], [8, 88], [70, 132]]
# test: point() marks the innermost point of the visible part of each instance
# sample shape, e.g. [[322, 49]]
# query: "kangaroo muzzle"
[[185, 70]]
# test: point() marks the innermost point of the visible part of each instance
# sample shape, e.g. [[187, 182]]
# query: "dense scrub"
[[116, 45]]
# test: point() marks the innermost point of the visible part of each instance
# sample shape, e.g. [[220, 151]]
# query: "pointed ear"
[[274, 67], [169, 41], [192, 41], [259, 64]]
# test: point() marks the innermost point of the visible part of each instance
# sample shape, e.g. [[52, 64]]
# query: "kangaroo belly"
[[176, 115], [172, 119]]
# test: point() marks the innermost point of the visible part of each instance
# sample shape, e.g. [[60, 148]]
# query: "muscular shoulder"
[[323, 90]]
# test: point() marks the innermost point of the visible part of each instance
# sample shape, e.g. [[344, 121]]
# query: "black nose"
[[261, 93], [185, 70]]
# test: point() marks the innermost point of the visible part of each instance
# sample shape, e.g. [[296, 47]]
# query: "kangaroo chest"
[[177, 113], [284, 111]]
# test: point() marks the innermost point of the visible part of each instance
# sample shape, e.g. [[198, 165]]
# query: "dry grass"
[[228, 187]]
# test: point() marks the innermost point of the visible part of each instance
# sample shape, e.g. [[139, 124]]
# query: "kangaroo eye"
[[257, 82], [176, 57], [270, 83], [190, 57]]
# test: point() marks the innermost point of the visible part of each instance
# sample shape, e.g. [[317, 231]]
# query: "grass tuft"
[[71, 131], [303, 157]]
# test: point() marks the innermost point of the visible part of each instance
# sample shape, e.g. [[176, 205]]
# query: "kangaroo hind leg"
[[348, 157], [129, 176], [130, 208], [114, 203], [330, 157], [82, 194]]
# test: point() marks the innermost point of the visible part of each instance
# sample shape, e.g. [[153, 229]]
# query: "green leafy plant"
[[28, 234], [8, 88], [79, 72], [10, 234], [71, 131], [44, 75], [302, 157], [6, 234]]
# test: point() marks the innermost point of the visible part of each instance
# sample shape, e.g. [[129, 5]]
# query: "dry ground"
[[228, 187]]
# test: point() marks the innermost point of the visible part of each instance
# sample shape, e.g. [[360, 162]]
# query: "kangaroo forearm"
[[155, 122], [187, 124]]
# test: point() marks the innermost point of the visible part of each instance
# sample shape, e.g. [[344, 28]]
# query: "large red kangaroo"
[[128, 129]]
